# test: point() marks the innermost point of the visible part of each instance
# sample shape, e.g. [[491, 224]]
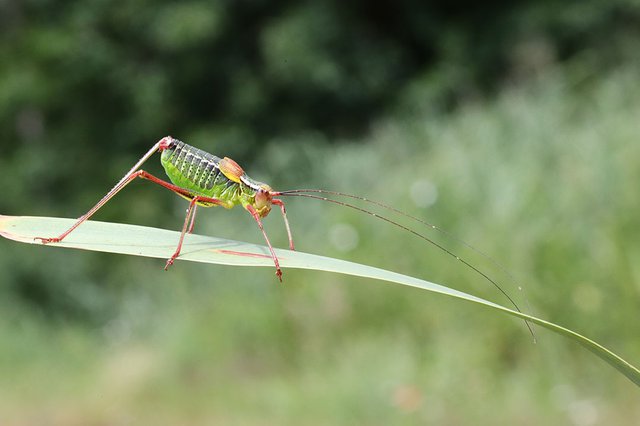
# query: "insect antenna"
[[305, 194], [416, 219]]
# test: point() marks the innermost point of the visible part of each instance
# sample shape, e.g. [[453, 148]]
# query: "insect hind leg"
[[190, 218]]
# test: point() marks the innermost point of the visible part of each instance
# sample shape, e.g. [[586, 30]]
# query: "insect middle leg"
[[193, 219], [189, 221]]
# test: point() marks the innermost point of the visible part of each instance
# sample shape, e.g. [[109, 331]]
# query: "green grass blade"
[[160, 243]]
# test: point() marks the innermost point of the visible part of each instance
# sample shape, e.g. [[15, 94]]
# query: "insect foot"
[[169, 263], [47, 240]]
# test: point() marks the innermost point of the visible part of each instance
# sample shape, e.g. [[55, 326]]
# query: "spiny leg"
[[280, 203], [256, 216]]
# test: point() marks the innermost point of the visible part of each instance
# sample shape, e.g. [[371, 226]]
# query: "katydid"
[[206, 180], [203, 179]]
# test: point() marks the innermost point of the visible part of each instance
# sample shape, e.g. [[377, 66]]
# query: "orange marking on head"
[[231, 169]]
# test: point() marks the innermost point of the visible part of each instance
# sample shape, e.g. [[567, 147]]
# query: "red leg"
[[124, 182], [190, 217], [193, 219], [255, 215], [286, 222], [121, 184]]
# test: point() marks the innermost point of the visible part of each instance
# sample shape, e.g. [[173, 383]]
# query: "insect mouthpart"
[[263, 202]]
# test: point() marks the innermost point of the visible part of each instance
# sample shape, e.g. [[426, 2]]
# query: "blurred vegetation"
[[511, 124]]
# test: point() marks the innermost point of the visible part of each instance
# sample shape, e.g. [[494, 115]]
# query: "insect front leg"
[[256, 216], [280, 203]]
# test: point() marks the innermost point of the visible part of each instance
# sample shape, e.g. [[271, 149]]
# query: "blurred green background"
[[513, 125]]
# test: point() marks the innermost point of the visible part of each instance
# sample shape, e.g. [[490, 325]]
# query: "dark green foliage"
[[119, 74]]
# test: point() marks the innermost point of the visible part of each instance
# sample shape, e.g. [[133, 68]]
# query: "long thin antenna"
[[414, 218], [301, 193]]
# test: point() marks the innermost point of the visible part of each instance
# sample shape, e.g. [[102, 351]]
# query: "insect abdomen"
[[193, 169]]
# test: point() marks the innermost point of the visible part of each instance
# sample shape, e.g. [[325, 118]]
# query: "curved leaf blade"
[[160, 243]]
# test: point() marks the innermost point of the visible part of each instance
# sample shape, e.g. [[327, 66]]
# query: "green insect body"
[[204, 180], [204, 174]]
